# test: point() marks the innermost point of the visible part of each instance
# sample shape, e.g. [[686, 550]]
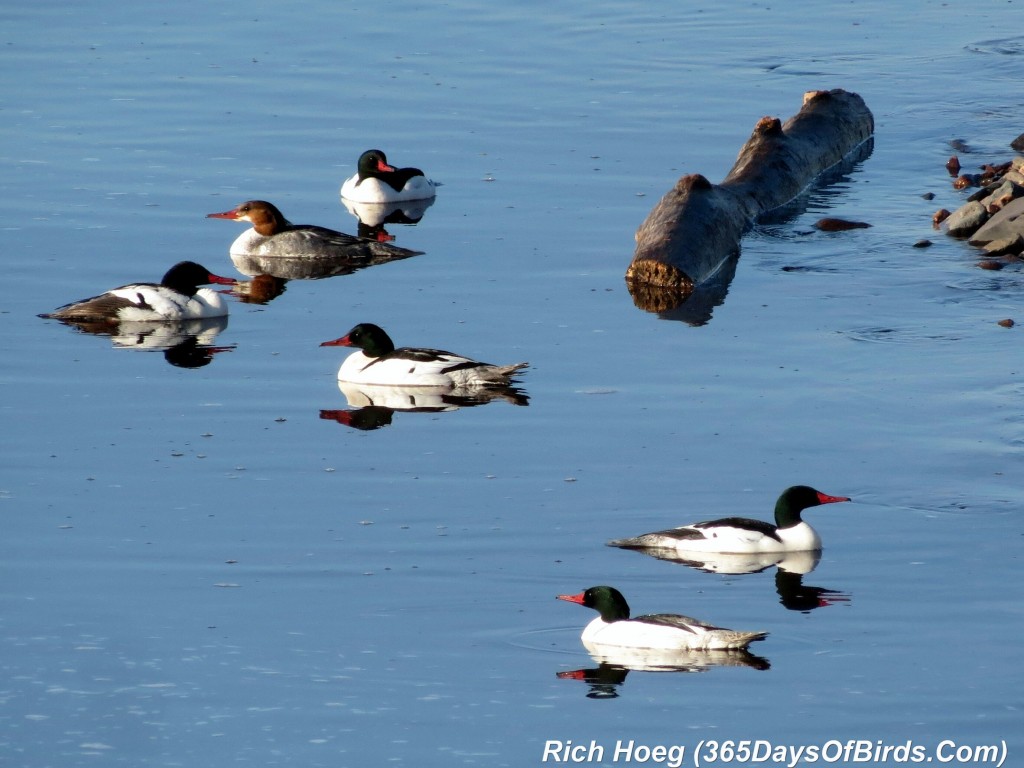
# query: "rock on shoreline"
[[993, 216]]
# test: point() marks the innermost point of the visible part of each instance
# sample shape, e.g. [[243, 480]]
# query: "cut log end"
[[658, 274]]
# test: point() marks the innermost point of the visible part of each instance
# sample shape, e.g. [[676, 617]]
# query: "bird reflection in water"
[[610, 673], [187, 344], [791, 567], [373, 407], [270, 274], [373, 217]]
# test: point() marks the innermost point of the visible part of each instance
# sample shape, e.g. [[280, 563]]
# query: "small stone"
[[839, 225], [953, 165], [1018, 143], [928, 196], [940, 216], [1006, 323], [923, 244], [991, 264]]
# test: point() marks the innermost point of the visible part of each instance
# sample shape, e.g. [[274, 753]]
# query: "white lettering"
[[551, 748], [567, 752], [623, 753]]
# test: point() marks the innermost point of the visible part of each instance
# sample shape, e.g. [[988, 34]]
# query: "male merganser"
[[659, 631], [273, 235], [176, 297], [378, 362], [377, 182], [742, 535]]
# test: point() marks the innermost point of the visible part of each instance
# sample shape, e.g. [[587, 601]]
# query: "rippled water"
[[199, 568]]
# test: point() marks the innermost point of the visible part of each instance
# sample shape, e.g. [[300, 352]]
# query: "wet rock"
[[839, 225], [1007, 322], [1007, 245], [1018, 143], [1001, 194], [939, 216], [1005, 224], [993, 173], [953, 166], [991, 264], [923, 244], [966, 219]]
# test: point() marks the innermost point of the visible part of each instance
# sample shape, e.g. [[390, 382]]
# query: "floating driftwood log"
[[697, 225]]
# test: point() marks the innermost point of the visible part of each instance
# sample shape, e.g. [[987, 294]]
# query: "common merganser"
[[377, 182], [176, 297], [379, 363], [742, 535], [659, 631], [273, 235]]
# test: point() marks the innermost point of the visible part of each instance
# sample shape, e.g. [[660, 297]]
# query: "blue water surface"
[[198, 569]]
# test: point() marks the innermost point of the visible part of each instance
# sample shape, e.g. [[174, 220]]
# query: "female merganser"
[[380, 363], [273, 235], [742, 535], [659, 631], [176, 297], [377, 182]]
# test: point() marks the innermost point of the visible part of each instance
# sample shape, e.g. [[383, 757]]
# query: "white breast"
[[360, 369], [727, 539], [636, 634], [376, 191], [248, 243], [161, 303]]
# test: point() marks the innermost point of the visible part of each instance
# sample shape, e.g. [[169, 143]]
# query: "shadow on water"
[[695, 307]]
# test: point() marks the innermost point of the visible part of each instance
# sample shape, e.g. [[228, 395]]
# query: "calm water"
[[197, 569]]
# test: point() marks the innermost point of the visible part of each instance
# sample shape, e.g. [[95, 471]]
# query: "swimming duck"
[[659, 631], [744, 535], [377, 182], [273, 235], [379, 362], [176, 297]]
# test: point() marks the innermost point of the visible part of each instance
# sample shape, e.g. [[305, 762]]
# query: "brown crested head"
[[264, 217]]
